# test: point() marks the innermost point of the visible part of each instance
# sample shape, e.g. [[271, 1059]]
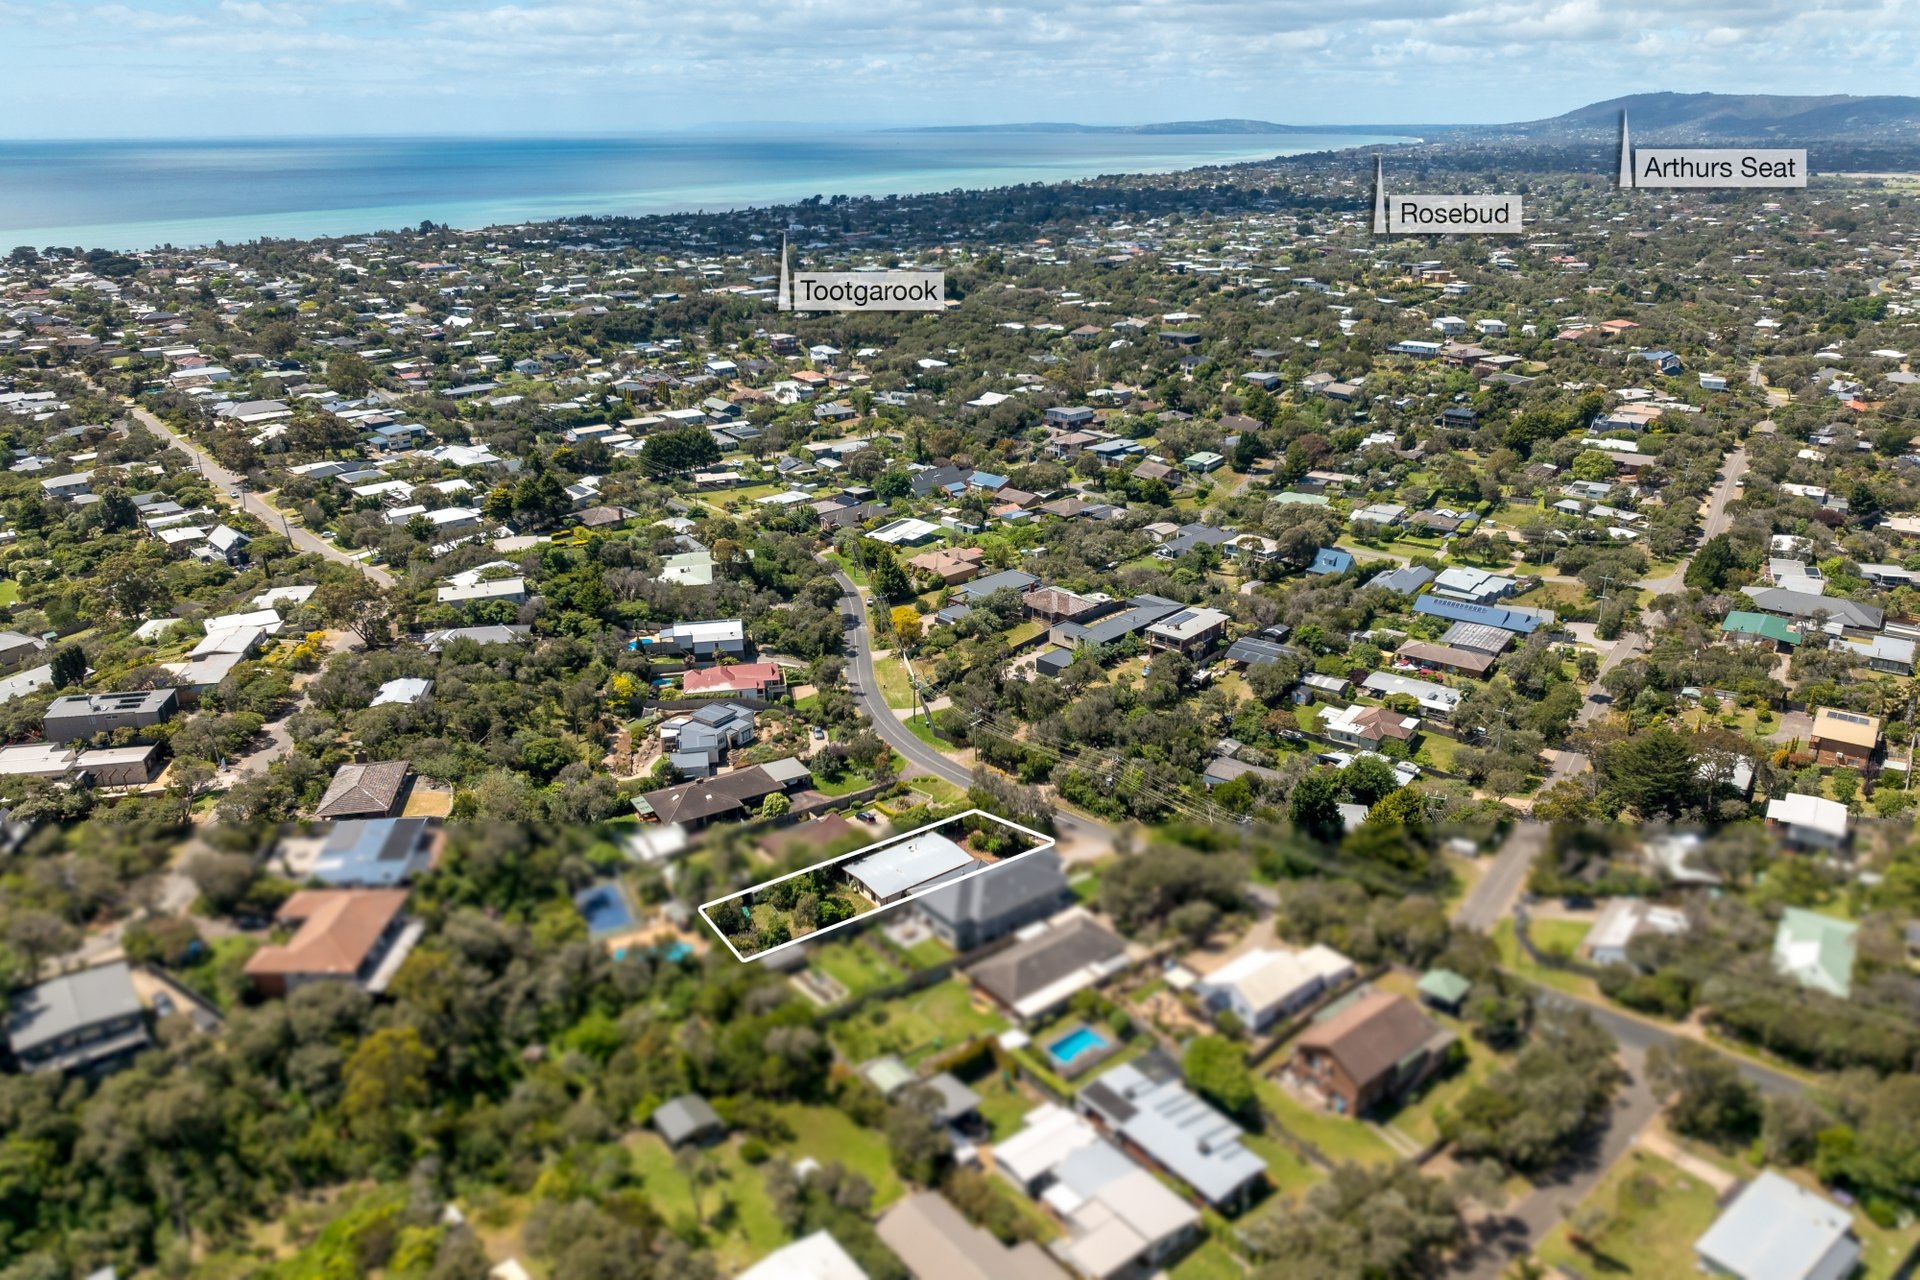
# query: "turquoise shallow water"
[[139, 194]]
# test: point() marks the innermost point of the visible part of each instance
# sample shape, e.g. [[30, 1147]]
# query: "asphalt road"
[[225, 482], [865, 686], [1566, 764], [1488, 900]]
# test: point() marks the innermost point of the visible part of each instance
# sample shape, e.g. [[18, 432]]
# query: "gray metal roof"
[[898, 868], [61, 1006], [1005, 889], [1778, 1230], [686, 1116], [1182, 1133]]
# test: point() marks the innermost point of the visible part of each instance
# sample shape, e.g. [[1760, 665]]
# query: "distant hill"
[[1177, 126], [1727, 118]]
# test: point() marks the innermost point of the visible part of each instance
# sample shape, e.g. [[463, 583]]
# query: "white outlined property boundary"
[[1044, 842]]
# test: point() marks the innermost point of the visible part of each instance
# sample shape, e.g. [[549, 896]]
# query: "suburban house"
[[1043, 971], [17, 651], [993, 904], [764, 680], [700, 641], [699, 742], [84, 1022], [360, 936], [79, 716], [1366, 727], [1369, 1051], [1808, 822], [949, 564], [375, 853], [1189, 631], [813, 1257], [731, 795], [1330, 560], [1146, 1105], [1624, 919], [1263, 986], [1775, 1229], [1120, 1220], [1845, 738], [1816, 951], [1466, 662], [900, 870], [935, 1242], [364, 790]]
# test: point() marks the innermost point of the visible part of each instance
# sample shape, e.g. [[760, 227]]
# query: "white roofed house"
[[1120, 1220], [1808, 822], [1147, 1105], [510, 590], [1776, 1229], [1263, 986], [700, 641], [899, 870], [1624, 919]]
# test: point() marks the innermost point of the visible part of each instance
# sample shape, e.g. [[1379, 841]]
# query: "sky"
[[260, 68]]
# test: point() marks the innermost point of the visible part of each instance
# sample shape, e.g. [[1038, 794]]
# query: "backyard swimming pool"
[[605, 908], [1077, 1043]]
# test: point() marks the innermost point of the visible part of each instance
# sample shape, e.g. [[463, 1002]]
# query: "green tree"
[[1217, 1069], [384, 1079], [1314, 806]]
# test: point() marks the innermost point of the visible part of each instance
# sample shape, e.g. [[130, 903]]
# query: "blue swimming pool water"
[[605, 908], [679, 951], [1076, 1042]]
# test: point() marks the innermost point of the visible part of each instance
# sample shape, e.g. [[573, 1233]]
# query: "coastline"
[[515, 182]]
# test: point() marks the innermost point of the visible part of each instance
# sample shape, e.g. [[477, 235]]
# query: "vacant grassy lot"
[[738, 1217], [916, 1025], [855, 966], [1649, 1213]]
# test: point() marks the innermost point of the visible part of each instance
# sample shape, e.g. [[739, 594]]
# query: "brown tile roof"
[[364, 790], [711, 797], [338, 928], [1372, 1034]]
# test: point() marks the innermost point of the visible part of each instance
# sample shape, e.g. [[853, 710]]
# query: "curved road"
[[226, 483], [866, 688]]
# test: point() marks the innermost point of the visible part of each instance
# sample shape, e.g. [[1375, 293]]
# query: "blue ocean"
[[142, 194]]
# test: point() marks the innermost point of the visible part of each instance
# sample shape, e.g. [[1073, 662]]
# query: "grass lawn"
[[1002, 1105], [892, 675], [1290, 1171], [1307, 717], [1086, 885], [1337, 1137], [1440, 749], [854, 966], [1419, 1118], [1211, 1261], [9, 591], [919, 728], [1025, 632], [936, 790], [740, 1217], [925, 955], [1549, 936], [916, 1025], [1652, 1212], [850, 781], [827, 1133]]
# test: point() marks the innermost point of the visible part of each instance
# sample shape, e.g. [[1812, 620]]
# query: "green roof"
[[1444, 985], [1816, 951], [1760, 624]]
